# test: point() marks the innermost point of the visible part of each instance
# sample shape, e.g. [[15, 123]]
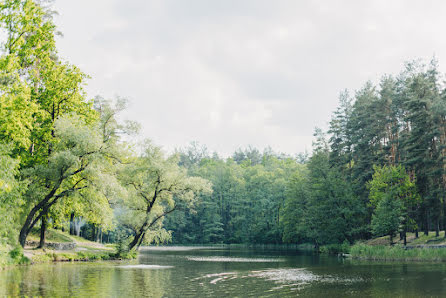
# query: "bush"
[[336, 249], [17, 256]]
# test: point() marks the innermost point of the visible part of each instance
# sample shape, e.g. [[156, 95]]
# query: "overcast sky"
[[234, 73]]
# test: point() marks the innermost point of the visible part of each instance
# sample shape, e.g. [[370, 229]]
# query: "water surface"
[[222, 272]]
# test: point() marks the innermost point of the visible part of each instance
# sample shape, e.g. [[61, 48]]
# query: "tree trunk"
[[426, 226], [93, 233], [416, 233], [42, 207], [437, 228], [135, 240], [444, 216], [29, 224], [98, 233], [43, 226], [405, 238], [72, 223]]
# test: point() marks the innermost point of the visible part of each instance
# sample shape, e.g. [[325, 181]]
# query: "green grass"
[[397, 253], [429, 239], [51, 236], [422, 239], [86, 250], [10, 256]]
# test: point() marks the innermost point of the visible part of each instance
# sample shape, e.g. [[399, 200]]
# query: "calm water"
[[179, 272]]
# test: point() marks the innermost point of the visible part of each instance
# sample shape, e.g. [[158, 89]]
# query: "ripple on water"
[[292, 278], [286, 275], [231, 259], [175, 248], [143, 266], [297, 278]]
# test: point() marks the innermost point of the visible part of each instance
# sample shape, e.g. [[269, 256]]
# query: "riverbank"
[[397, 253], [424, 248], [60, 247]]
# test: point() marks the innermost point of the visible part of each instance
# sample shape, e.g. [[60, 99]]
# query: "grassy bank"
[[84, 250], [397, 253], [10, 256], [423, 248]]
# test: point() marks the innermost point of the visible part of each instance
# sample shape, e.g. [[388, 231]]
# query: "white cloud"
[[233, 73]]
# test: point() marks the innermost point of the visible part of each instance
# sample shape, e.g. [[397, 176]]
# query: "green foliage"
[[322, 207], [394, 197], [156, 187], [388, 217], [247, 201], [336, 249], [11, 191]]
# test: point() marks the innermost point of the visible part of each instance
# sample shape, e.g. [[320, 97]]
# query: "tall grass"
[[397, 253], [10, 256]]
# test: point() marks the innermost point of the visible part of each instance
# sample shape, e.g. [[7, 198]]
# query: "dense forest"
[[378, 170], [67, 162]]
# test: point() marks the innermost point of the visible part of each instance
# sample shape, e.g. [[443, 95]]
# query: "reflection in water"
[[226, 273], [232, 259], [83, 280], [142, 266]]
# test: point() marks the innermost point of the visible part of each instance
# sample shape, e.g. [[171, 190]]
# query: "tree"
[[387, 217], [390, 184], [78, 167], [156, 186]]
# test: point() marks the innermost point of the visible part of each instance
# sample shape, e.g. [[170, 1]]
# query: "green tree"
[[79, 166], [387, 217], [156, 185], [392, 183]]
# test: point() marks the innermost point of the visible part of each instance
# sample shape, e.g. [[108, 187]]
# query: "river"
[[222, 272]]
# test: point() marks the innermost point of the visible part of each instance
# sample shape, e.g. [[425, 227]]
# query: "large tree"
[[79, 166], [156, 187]]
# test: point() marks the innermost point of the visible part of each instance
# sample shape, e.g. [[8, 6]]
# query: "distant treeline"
[[379, 170]]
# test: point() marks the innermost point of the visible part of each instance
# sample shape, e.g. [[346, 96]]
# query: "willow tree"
[[78, 167], [156, 187]]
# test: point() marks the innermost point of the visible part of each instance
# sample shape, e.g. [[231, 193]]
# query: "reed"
[[397, 253]]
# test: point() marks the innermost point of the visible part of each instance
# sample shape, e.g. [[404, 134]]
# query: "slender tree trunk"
[[98, 233], [437, 228], [43, 226], [405, 237], [416, 233], [72, 223], [444, 216], [93, 233], [426, 226]]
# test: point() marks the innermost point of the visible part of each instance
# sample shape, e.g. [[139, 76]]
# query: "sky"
[[234, 73]]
